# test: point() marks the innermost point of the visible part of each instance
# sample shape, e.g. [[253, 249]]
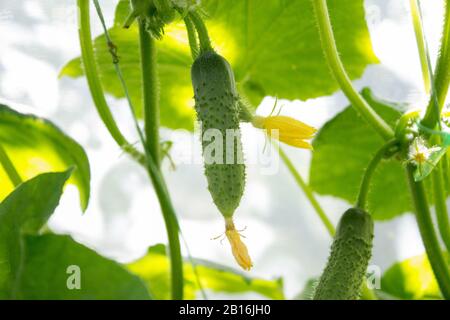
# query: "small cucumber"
[[216, 103], [350, 254]]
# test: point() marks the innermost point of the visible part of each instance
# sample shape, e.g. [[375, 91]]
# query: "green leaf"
[[412, 278], [274, 49], [36, 145], [25, 210], [47, 272], [154, 269], [342, 150]]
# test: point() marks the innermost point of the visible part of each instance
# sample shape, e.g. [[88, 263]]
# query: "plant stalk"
[[307, 191], [428, 234], [9, 167], [150, 91], [441, 205], [203, 36], [441, 75], [421, 44], [151, 164], [91, 72], [367, 178], [338, 71]]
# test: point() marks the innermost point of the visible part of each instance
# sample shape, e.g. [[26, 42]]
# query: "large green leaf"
[[36, 145], [154, 269], [342, 150], [412, 278], [46, 271], [273, 47], [25, 210]]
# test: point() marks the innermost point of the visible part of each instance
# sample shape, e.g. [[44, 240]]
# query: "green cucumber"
[[350, 254], [216, 103]]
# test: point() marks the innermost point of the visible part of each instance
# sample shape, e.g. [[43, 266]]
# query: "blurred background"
[[284, 236]]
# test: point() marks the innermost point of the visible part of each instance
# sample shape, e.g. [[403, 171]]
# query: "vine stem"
[[427, 232], [441, 75], [152, 167], [150, 91], [307, 191], [441, 169], [203, 36], [367, 178], [91, 72], [338, 71], [151, 119], [9, 167], [441, 205], [421, 44]]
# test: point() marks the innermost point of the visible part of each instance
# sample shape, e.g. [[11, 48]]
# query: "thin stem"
[[169, 214], [308, 192], [367, 178], [205, 41], [429, 238], [150, 91], [421, 44], [9, 167], [442, 75], [172, 227], [91, 72], [441, 205], [338, 71], [192, 37]]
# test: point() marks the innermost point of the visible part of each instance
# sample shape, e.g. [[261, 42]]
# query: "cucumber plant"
[[161, 49]]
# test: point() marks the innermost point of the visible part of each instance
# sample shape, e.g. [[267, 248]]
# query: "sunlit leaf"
[[53, 262], [25, 210], [154, 269], [342, 150], [411, 279], [36, 145], [274, 49]]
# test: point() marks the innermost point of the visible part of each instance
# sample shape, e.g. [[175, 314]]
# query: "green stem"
[[429, 238], [421, 44], [205, 41], [169, 214], [9, 168], [367, 178], [338, 71], [441, 205], [192, 37], [150, 91], [307, 190], [172, 227], [91, 72], [442, 75]]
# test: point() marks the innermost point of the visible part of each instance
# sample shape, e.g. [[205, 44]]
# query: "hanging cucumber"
[[350, 254], [216, 103]]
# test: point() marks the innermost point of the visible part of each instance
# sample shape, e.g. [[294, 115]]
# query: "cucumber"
[[216, 104], [350, 254]]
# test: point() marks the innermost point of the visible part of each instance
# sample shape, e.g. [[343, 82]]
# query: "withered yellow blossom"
[[238, 247]]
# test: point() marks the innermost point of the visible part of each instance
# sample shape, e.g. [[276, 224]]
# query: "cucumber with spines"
[[216, 103], [350, 255]]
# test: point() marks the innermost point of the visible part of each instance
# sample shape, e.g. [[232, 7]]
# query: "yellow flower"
[[238, 248], [289, 130]]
